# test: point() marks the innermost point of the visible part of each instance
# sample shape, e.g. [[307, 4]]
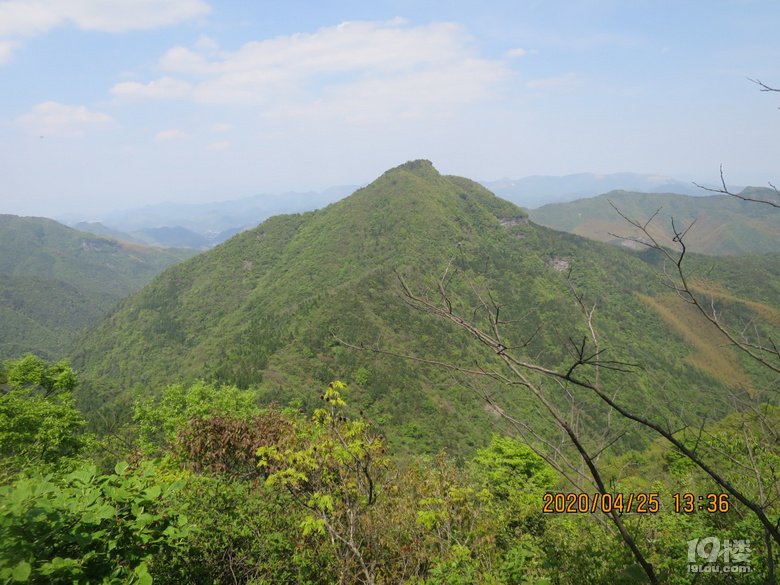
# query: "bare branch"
[[764, 86], [686, 292], [724, 190]]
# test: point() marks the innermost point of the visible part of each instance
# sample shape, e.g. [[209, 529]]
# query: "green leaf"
[[427, 518], [310, 525], [153, 492], [636, 573], [22, 571], [105, 512], [142, 574], [43, 487], [83, 475], [145, 518]]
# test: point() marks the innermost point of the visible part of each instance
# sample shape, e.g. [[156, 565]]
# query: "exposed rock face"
[[559, 263], [510, 221], [98, 244], [633, 244]]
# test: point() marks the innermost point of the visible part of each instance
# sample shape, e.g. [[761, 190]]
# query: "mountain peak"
[[421, 168], [234, 307]]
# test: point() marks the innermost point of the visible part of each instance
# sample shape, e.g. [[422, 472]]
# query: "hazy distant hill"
[[97, 227], [531, 192], [173, 236], [161, 237], [262, 309], [203, 225], [54, 281], [723, 225]]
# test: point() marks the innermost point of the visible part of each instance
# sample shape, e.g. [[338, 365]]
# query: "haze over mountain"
[[161, 237], [204, 225], [720, 224], [538, 190], [55, 280], [263, 309]]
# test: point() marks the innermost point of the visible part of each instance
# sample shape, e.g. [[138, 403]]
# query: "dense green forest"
[[218, 489], [415, 384], [269, 307], [55, 281]]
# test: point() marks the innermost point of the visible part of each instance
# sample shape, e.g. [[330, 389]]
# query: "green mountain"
[[54, 281], [723, 225], [265, 309], [158, 237], [97, 227], [538, 190]]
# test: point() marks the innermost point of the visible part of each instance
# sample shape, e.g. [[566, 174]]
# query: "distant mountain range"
[[45, 265], [537, 190], [204, 225], [720, 225], [161, 237], [201, 225]]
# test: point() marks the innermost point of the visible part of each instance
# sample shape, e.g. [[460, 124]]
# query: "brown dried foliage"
[[227, 444]]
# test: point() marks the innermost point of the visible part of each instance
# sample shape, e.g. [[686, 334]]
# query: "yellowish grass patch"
[[712, 351]]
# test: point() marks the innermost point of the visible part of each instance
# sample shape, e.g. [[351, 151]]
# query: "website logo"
[[711, 555]]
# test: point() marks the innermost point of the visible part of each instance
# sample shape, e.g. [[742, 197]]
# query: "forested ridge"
[[55, 281], [311, 402], [266, 309], [724, 225]]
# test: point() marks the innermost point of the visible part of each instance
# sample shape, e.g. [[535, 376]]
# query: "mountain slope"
[[723, 225], [56, 281], [263, 309]]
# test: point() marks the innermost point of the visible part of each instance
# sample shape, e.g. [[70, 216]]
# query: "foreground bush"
[[87, 528]]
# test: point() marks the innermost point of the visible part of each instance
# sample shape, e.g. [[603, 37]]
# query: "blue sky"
[[113, 104]]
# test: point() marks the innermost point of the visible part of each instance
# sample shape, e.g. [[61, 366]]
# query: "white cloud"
[[123, 15], [563, 82], [352, 46], [221, 127], [221, 145], [169, 135], [207, 43], [166, 87], [52, 118], [7, 49], [25, 18], [519, 52], [183, 60], [356, 70], [413, 95]]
